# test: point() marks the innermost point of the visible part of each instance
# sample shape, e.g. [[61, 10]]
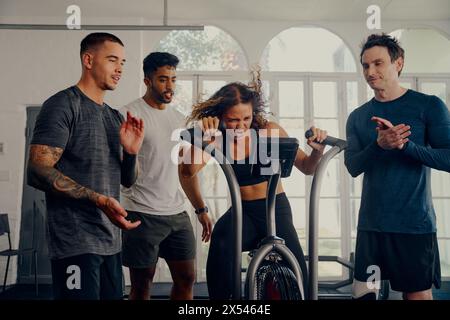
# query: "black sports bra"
[[242, 168]]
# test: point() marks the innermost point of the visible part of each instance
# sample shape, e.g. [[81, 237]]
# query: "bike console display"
[[276, 155]]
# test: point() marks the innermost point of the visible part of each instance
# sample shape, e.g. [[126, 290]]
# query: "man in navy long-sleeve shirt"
[[394, 139]]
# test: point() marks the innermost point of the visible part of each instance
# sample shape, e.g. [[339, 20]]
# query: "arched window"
[[307, 49], [208, 50], [427, 50]]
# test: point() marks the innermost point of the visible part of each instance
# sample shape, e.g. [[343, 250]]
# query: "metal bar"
[[236, 206], [343, 296], [336, 259], [236, 214], [270, 204], [165, 13], [6, 273], [335, 285], [313, 243], [124, 27], [255, 263]]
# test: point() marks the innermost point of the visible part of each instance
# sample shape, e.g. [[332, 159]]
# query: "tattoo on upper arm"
[[44, 155]]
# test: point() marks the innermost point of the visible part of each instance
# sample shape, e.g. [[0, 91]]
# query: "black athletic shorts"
[[169, 237], [409, 261]]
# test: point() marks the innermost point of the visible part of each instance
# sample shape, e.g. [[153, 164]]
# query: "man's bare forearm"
[[191, 188], [129, 170]]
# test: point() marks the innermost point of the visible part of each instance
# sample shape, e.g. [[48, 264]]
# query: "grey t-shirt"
[[156, 190], [89, 135]]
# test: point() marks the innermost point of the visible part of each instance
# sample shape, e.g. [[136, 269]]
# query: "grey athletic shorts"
[[169, 237]]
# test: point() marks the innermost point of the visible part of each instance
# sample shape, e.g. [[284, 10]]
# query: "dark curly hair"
[[231, 95], [384, 40]]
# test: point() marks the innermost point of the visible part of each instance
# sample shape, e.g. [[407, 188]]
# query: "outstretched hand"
[[132, 134], [115, 212]]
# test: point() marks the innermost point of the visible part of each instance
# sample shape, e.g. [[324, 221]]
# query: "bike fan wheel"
[[275, 281]]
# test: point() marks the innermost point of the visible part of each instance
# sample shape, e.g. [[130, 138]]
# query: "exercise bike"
[[274, 272]]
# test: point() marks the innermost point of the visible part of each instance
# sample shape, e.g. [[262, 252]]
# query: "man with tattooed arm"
[[81, 151]]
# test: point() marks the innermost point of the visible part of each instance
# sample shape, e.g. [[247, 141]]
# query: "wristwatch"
[[201, 210]]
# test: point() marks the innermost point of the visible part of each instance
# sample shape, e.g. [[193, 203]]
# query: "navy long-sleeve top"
[[396, 194]]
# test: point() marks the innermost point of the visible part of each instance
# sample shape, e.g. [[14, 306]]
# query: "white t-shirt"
[[157, 189]]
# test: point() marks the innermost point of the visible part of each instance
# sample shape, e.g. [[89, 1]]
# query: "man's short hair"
[[156, 60], [93, 40], [384, 40]]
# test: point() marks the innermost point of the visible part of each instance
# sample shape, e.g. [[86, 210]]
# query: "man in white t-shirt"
[[155, 199]]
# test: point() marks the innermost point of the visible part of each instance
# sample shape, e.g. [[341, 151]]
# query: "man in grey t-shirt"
[[76, 158]]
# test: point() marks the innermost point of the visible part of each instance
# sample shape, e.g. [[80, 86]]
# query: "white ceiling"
[[192, 10]]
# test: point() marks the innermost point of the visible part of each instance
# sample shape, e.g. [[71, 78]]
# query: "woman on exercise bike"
[[239, 108]]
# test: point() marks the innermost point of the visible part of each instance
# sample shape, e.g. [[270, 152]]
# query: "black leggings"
[[220, 256]]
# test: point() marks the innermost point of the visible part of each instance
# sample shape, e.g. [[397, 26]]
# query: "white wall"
[[36, 64]]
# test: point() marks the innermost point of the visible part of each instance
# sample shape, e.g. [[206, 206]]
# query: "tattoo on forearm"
[[43, 175], [72, 189]]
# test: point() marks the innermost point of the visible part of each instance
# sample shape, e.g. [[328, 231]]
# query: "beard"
[[165, 97], [108, 86]]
